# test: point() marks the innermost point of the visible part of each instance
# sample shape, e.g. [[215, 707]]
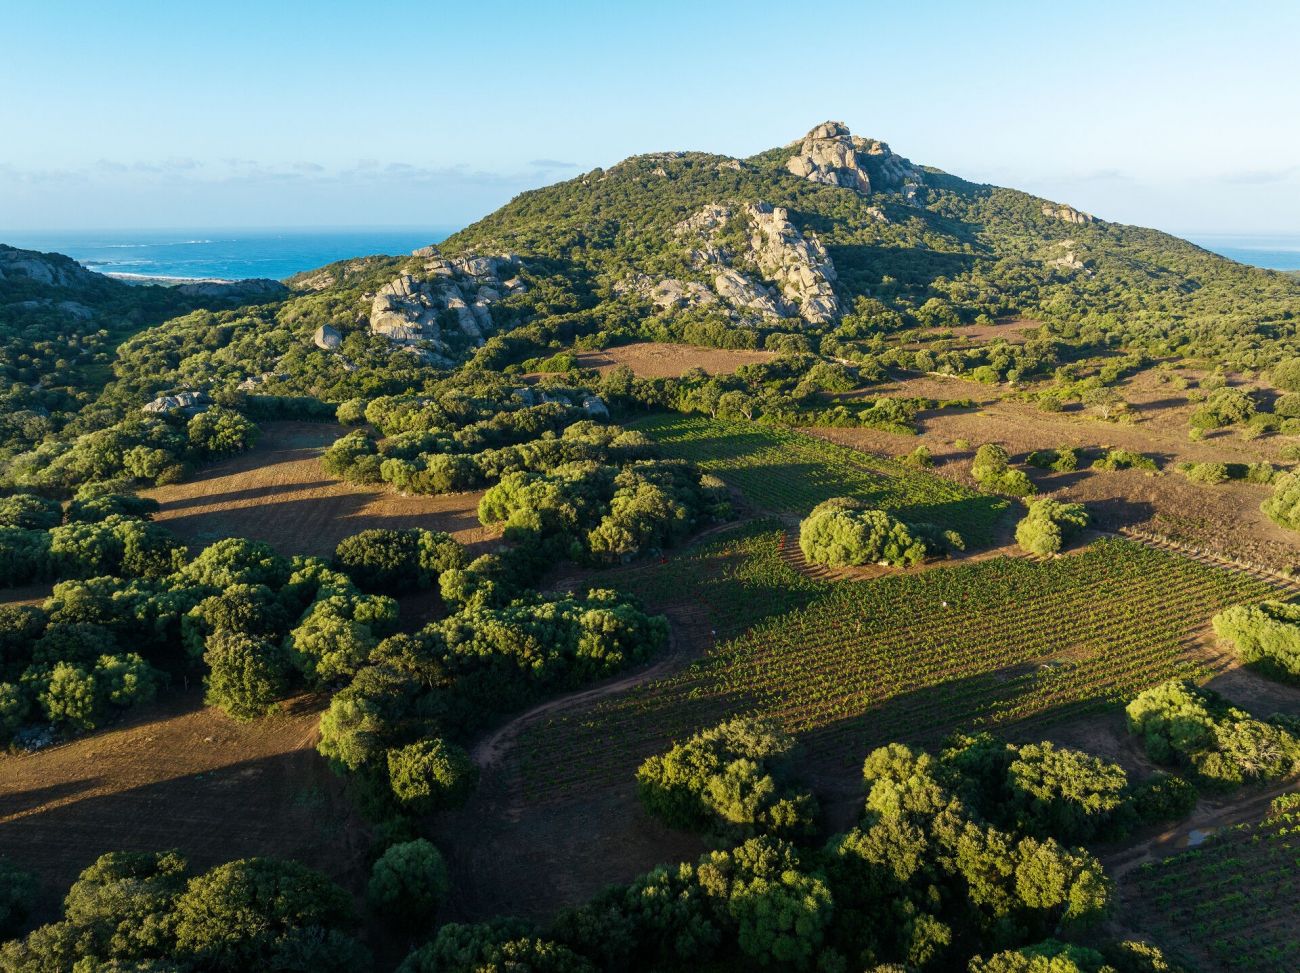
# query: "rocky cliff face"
[[453, 296], [1066, 214], [794, 273], [50, 269], [831, 154]]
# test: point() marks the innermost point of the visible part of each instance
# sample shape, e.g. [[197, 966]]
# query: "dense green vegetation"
[[843, 531], [970, 858], [1198, 730], [1047, 523]]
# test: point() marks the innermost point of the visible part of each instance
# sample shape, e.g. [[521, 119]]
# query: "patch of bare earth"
[[1225, 518], [278, 493], [653, 359], [180, 775], [509, 855]]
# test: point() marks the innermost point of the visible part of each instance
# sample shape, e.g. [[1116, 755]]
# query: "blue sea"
[[1277, 252], [236, 254], [223, 254]]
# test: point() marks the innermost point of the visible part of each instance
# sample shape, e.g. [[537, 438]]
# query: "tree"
[[246, 674], [398, 560], [409, 882], [842, 531], [17, 891], [1283, 507], [1266, 635], [726, 779], [220, 432], [261, 914], [992, 472], [30, 512], [237, 560], [431, 775], [1047, 523]]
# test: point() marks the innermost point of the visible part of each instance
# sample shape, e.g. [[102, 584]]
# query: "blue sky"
[[278, 113]]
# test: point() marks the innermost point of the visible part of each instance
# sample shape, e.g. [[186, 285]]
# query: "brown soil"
[[32, 594], [1224, 518], [1015, 331], [180, 775], [511, 857], [653, 359], [278, 493]]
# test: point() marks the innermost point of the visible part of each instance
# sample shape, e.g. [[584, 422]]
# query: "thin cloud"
[[1259, 177]]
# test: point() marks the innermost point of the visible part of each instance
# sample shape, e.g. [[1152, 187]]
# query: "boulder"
[[327, 338]]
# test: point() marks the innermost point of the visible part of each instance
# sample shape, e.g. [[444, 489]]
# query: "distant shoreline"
[[162, 278]]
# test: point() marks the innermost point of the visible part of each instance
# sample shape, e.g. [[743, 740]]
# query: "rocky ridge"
[[452, 297], [832, 155], [791, 273]]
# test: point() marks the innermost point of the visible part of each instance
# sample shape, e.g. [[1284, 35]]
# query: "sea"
[[223, 254], [1276, 252], [277, 254]]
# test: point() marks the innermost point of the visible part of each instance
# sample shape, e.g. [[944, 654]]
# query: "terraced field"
[[786, 472], [849, 665]]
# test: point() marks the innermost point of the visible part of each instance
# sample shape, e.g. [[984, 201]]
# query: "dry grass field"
[[653, 359], [278, 493], [1224, 518], [180, 775]]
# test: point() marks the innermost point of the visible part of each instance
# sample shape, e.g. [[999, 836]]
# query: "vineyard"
[[850, 665], [784, 471], [1235, 899]]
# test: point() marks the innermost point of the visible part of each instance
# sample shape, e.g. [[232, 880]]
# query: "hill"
[[59, 326]]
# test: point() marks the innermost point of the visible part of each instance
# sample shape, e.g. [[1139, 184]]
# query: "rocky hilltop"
[[831, 154], [449, 299], [45, 269]]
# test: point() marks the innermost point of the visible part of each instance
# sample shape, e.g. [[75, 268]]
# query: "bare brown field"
[[509, 857], [278, 493], [653, 359], [1224, 518], [1015, 331], [180, 775], [32, 594]]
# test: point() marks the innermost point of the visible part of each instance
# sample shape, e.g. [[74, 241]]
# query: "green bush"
[[991, 471], [842, 531], [1047, 524], [408, 883], [728, 780], [431, 775], [1283, 507], [1195, 728], [246, 674], [1266, 634]]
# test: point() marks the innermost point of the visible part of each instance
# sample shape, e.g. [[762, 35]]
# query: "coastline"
[[162, 280]]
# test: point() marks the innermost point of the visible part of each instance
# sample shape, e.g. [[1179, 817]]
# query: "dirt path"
[[1208, 816], [488, 751]]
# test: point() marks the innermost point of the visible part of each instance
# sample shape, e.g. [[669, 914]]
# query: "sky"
[[1178, 115]]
